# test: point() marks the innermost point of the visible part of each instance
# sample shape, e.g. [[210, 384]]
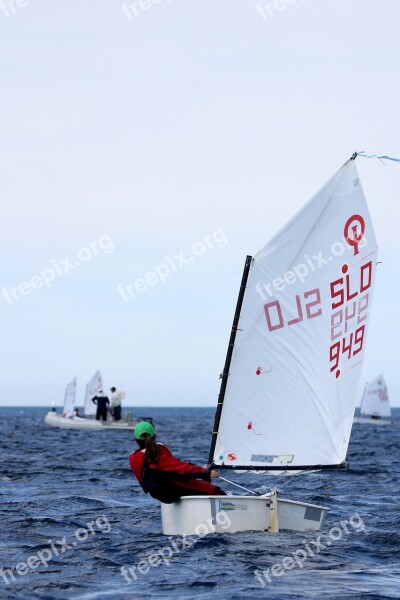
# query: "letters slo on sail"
[[375, 406], [294, 358]]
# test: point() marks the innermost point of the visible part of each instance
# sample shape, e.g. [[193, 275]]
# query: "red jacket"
[[182, 473]]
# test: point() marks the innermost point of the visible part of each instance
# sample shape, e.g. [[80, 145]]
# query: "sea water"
[[75, 524]]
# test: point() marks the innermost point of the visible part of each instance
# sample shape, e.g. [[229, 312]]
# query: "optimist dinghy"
[[293, 364], [375, 406]]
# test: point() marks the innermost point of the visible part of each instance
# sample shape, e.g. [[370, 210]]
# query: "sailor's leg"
[[219, 491], [198, 487]]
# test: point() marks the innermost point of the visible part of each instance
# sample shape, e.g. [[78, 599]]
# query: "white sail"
[[92, 388], [69, 398], [300, 343], [376, 399]]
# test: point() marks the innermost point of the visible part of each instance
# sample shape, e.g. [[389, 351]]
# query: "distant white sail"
[[92, 388], [292, 384], [69, 398], [375, 400]]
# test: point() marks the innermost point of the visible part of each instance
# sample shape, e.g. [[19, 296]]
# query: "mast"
[[225, 373], [65, 396], [85, 402], [362, 399]]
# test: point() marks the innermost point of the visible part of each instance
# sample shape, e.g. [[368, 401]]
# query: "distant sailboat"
[[375, 406], [69, 398], [93, 387], [294, 358], [68, 420]]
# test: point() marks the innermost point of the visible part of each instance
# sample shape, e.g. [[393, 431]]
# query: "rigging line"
[[381, 158], [237, 485]]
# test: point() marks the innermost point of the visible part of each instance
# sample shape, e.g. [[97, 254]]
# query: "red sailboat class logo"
[[356, 225]]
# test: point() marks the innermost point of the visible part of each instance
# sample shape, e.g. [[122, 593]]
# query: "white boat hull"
[[56, 420], [198, 515], [300, 516], [191, 515], [369, 421]]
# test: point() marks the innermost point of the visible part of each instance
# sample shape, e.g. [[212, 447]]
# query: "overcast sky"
[[130, 133]]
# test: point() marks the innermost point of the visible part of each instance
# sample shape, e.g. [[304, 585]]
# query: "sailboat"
[[68, 419], [69, 400], [294, 359], [375, 406]]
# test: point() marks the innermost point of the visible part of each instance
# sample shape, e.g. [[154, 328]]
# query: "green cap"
[[142, 429]]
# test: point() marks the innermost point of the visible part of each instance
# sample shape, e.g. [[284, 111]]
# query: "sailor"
[[102, 403], [116, 398], [163, 476]]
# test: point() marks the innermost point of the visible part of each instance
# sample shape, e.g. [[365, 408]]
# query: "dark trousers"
[[117, 412], [101, 413], [173, 493], [213, 491]]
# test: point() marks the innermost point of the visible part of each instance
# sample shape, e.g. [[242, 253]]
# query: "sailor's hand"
[[214, 474]]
